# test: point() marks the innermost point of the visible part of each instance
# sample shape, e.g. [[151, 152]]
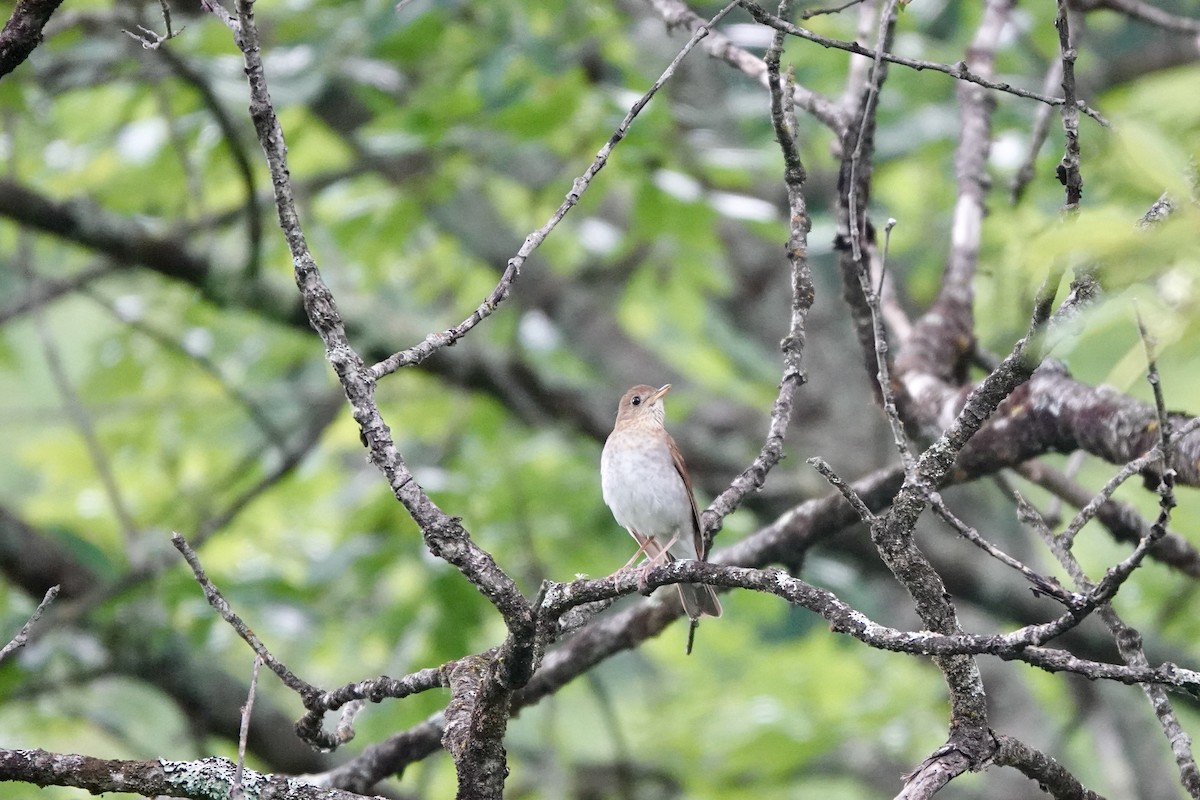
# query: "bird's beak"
[[660, 394]]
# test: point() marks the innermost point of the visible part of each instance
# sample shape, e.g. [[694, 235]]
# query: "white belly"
[[644, 492]]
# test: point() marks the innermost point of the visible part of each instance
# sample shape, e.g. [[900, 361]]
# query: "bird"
[[646, 485]]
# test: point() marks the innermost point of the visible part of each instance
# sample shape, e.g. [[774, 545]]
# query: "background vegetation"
[[158, 374]]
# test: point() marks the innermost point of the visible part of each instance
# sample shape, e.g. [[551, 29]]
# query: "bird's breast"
[[641, 486]]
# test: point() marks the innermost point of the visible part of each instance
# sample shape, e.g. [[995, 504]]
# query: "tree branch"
[[23, 31], [958, 71], [200, 780]]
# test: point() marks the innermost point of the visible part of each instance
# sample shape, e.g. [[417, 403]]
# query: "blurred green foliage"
[[426, 142]]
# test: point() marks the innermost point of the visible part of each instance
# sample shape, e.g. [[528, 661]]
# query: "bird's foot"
[[656, 560], [642, 571]]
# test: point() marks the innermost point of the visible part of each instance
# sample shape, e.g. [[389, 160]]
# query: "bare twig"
[[1135, 9], [1135, 467], [809, 13], [1121, 519], [1042, 584], [150, 40], [45, 290], [375, 690], [444, 535], [1068, 168], [883, 374], [1085, 514], [854, 239], [783, 119], [677, 13], [1128, 641], [435, 341], [957, 71], [22, 636], [866, 125], [1037, 134], [235, 790], [1129, 644], [845, 489], [218, 602]]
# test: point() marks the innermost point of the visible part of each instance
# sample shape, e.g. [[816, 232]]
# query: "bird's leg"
[[665, 553], [656, 559], [642, 542]]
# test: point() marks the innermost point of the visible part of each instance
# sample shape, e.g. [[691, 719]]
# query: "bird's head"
[[642, 403]]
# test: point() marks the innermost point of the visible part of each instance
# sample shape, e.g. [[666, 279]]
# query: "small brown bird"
[[647, 487]]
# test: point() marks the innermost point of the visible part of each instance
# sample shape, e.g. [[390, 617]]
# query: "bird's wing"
[[682, 470]]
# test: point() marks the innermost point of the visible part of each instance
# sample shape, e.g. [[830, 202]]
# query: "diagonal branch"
[[783, 120], [444, 535], [218, 601], [943, 338], [23, 31], [676, 13], [1135, 9], [958, 71], [1068, 167], [22, 636], [1050, 775], [200, 780], [436, 341]]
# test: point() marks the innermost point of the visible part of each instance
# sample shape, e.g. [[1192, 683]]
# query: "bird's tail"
[[698, 599]]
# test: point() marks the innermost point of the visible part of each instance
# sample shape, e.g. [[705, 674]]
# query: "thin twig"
[[957, 71], [1134, 9], [45, 290], [1042, 584], [435, 341], [1130, 646], [1127, 640], [444, 535], [235, 789], [1085, 514], [1121, 519], [783, 120], [845, 489], [1068, 168], [22, 635], [678, 14], [218, 602], [1037, 135], [883, 379], [150, 40], [866, 122]]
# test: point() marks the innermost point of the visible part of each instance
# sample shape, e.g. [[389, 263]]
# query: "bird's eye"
[[637, 401]]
